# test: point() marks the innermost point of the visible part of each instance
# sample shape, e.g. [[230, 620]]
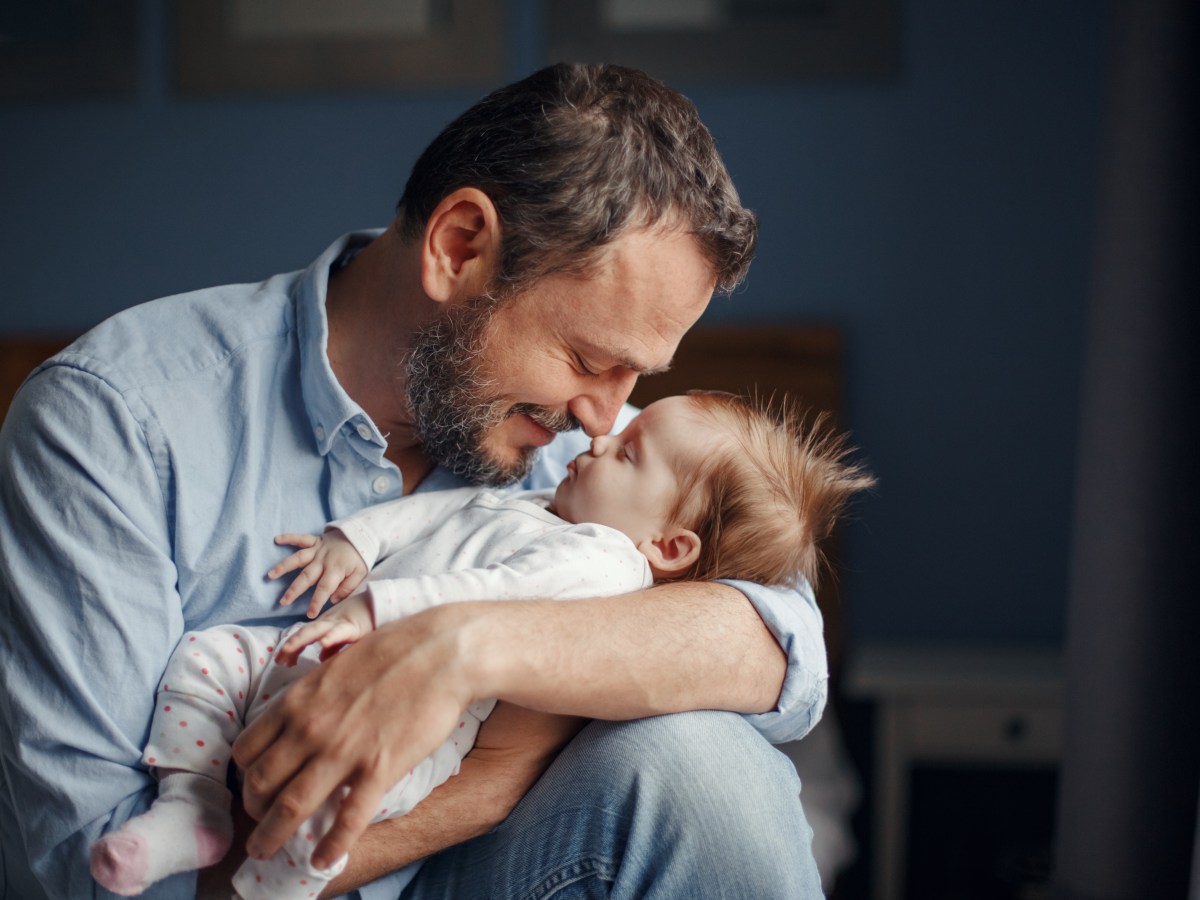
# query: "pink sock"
[[188, 827]]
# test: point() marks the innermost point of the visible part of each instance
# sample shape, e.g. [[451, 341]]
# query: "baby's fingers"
[[329, 584], [343, 632], [315, 605], [297, 540], [297, 560], [302, 582], [349, 585], [289, 651]]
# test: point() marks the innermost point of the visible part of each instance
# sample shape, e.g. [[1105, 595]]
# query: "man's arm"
[[376, 709], [88, 615]]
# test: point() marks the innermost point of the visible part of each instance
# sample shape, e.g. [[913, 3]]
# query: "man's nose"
[[597, 410]]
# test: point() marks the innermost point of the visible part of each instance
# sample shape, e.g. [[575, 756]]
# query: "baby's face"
[[627, 481]]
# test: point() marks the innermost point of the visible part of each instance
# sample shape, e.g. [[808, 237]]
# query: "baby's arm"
[[338, 561], [576, 562], [380, 530]]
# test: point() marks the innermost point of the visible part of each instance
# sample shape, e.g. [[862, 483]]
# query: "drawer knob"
[[1016, 729]]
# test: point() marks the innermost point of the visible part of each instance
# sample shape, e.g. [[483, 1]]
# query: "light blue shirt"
[[143, 474]]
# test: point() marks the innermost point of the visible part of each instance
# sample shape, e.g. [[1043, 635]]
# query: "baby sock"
[[188, 827]]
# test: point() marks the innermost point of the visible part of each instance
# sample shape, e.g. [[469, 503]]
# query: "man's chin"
[[502, 468]]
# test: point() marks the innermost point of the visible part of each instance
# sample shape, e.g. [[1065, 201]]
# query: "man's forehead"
[[639, 297], [638, 333]]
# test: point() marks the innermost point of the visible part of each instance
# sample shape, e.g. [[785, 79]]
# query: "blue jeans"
[[680, 807]]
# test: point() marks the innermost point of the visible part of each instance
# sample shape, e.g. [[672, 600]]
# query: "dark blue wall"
[[944, 219]]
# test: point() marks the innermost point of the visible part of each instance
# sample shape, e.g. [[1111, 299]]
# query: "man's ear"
[[460, 248], [672, 553]]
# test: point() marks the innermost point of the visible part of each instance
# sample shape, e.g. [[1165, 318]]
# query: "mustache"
[[551, 420]]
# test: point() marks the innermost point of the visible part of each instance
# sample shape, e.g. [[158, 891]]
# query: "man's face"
[[490, 383]]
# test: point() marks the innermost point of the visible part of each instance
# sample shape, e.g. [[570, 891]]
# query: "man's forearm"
[[668, 649], [373, 711]]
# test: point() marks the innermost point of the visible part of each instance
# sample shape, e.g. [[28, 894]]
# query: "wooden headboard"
[[801, 361], [21, 355], [804, 362]]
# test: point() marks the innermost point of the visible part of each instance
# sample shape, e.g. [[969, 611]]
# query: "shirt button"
[[380, 484], [363, 431], [320, 432]]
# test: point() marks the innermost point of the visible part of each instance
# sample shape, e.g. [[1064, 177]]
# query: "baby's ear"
[[672, 553]]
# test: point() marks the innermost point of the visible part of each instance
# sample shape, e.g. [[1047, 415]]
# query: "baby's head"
[[712, 485]]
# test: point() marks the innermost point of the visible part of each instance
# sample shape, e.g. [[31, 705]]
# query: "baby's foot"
[[119, 862], [187, 828]]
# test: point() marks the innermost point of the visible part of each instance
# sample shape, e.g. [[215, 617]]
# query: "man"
[[553, 243]]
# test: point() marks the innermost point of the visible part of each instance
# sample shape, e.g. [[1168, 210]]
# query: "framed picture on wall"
[[726, 41], [230, 46], [68, 49]]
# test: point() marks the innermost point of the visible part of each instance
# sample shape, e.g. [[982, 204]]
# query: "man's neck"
[[374, 306]]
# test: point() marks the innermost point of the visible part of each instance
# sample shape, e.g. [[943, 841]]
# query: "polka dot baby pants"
[[218, 681]]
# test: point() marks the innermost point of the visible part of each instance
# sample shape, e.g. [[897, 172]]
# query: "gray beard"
[[451, 399]]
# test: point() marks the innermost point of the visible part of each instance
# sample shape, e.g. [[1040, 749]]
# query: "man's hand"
[[330, 562], [513, 749], [356, 723]]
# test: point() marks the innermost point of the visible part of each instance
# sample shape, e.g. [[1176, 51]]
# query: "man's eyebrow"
[[622, 358]]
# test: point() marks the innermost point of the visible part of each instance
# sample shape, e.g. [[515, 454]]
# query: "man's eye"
[[583, 367]]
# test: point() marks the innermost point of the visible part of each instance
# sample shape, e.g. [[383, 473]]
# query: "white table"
[[949, 704]]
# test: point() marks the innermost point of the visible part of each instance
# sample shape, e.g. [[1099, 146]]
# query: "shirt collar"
[[329, 406]]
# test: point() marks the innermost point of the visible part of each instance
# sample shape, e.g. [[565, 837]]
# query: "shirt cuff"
[[792, 616]]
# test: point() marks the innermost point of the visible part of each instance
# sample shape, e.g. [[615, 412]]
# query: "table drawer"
[[996, 732]]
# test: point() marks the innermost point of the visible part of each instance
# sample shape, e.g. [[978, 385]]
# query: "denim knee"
[[695, 759], [693, 805], [705, 789]]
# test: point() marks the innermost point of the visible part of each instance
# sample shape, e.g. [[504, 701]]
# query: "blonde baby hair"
[[762, 501]]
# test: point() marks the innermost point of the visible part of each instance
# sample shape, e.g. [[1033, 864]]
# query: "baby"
[[702, 486]]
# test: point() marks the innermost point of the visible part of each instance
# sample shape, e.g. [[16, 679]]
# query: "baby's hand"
[[330, 562], [339, 625]]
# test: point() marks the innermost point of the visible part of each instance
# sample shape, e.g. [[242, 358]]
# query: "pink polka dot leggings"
[[217, 682]]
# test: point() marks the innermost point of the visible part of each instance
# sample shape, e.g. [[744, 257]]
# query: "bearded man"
[[553, 244]]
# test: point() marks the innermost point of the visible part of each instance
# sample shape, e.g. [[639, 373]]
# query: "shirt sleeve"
[[570, 563], [89, 613], [380, 530], [793, 617]]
